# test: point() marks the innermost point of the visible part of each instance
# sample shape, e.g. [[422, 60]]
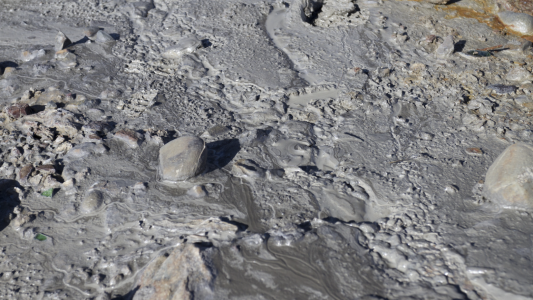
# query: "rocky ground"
[[344, 149]]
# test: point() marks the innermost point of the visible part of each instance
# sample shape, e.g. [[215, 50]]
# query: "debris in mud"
[[48, 193], [18, 110], [502, 88], [40, 237]]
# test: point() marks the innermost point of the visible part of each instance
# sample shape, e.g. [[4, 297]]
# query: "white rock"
[[517, 22], [182, 47], [182, 158], [509, 180], [446, 48], [103, 37], [519, 74]]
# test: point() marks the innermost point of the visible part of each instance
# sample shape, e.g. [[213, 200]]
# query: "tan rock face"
[[509, 180], [179, 275], [182, 158]]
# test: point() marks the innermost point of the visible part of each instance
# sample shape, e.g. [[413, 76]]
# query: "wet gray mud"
[[347, 143]]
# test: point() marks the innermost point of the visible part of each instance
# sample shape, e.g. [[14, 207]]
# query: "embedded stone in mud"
[[93, 200], [517, 22], [509, 180], [182, 158], [446, 48], [179, 275], [248, 168]]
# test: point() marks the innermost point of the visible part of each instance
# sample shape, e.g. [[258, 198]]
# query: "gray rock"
[[182, 158], [446, 48], [509, 180], [90, 32], [62, 41], [103, 37]]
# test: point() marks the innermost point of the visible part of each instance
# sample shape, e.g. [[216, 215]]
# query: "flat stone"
[[62, 41], [182, 158], [103, 37], [178, 275], [90, 32], [509, 180]]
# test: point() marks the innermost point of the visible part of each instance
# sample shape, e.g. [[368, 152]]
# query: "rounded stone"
[[93, 201], [509, 180], [518, 22], [182, 158]]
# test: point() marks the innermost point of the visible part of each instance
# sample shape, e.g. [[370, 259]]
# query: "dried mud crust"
[[347, 143]]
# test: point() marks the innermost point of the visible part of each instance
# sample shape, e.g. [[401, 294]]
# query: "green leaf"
[[48, 193], [41, 237]]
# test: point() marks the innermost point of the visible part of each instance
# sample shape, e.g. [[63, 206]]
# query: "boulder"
[[509, 180], [182, 158]]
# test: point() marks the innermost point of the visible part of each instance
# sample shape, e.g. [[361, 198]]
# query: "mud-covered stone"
[[129, 137], [92, 201], [446, 48], [25, 173], [180, 275], [509, 180], [62, 41], [19, 110], [182, 158]]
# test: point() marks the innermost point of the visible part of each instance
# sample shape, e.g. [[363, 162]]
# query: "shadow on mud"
[[221, 153], [9, 199]]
